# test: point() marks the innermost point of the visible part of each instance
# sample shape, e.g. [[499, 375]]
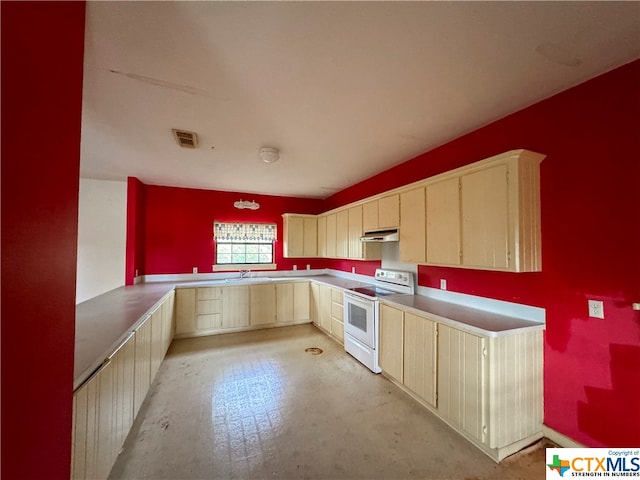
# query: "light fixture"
[[269, 154], [242, 204]]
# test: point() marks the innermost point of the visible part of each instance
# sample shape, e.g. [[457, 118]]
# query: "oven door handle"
[[356, 298]]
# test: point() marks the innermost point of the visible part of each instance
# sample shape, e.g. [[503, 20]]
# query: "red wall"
[[591, 248], [179, 226], [42, 56], [135, 230]]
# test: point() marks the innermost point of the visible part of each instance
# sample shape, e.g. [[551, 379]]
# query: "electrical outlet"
[[596, 309], [353, 269], [195, 269], [308, 267], [295, 267], [443, 284]]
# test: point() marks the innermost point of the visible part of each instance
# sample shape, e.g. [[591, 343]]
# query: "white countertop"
[[104, 322], [470, 319]]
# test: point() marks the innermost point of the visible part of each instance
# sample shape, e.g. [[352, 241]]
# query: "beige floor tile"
[[256, 405]]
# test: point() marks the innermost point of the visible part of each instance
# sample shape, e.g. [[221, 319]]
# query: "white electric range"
[[362, 312]]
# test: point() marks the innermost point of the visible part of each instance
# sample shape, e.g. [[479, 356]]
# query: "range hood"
[[381, 236]]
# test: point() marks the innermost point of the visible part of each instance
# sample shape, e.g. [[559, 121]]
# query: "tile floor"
[[256, 405]]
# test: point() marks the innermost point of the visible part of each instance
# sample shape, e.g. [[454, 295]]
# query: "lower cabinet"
[[262, 309], [212, 310], [331, 311], [488, 388], [105, 406]]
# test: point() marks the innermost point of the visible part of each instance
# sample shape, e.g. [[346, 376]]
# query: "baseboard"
[[560, 439]]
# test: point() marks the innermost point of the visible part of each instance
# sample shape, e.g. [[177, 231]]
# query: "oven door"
[[359, 319]]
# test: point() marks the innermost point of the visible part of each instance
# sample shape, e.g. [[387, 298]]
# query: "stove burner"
[[373, 292]]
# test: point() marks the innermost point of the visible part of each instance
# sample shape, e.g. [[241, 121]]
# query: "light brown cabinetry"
[[105, 406], [337, 314], [324, 310], [240, 307], [330, 311], [342, 233], [495, 219], [381, 214], [314, 306], [322, 236], [332, 236], [356, 249], [262, 309], [355, 232], [413, 225], [443, 222], [300, 235], [461, 389], [420, 356], [208, 308], [392, 342], [292, 302], [235, 307], [489, 388]]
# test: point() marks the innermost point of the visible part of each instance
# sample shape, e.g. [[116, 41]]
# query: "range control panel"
[[394, 276]]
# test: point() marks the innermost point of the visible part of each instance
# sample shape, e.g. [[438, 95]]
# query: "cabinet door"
[[391, 341], [370, 216], [235, 306], [301, 301], [157, 352], [412, 226], [355, 232], [461, 380], [420, 356], [185, 310], [142, 369], [443, 222], [332, 236], [293, 236], [168, 321], [322, 236], [314, 309], [389, 212], [85, 430], [262, 310], [284, 302], [342, 233], [310, 240], [325, 307], [485, 218]]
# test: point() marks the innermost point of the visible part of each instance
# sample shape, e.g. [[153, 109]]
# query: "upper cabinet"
[[499, 215], [412, 225], [485, 215], [443, 222], [300, 235], [381, 214]]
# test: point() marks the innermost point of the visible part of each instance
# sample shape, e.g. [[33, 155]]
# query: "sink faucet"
[[244, 273]]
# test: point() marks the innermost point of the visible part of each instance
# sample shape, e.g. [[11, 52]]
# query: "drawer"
[[336, 295], [208, 293], [337, 329], [209, 322], [204, 307], [337, 311]]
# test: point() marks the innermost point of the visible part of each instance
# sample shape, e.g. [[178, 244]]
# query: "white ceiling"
[[344, 89]]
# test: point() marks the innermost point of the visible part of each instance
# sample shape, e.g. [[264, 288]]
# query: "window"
[[244, 243]]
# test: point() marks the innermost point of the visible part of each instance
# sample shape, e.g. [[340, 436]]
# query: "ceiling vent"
[[185, 139]]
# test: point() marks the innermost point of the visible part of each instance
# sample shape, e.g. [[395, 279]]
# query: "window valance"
[[244, 232]]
